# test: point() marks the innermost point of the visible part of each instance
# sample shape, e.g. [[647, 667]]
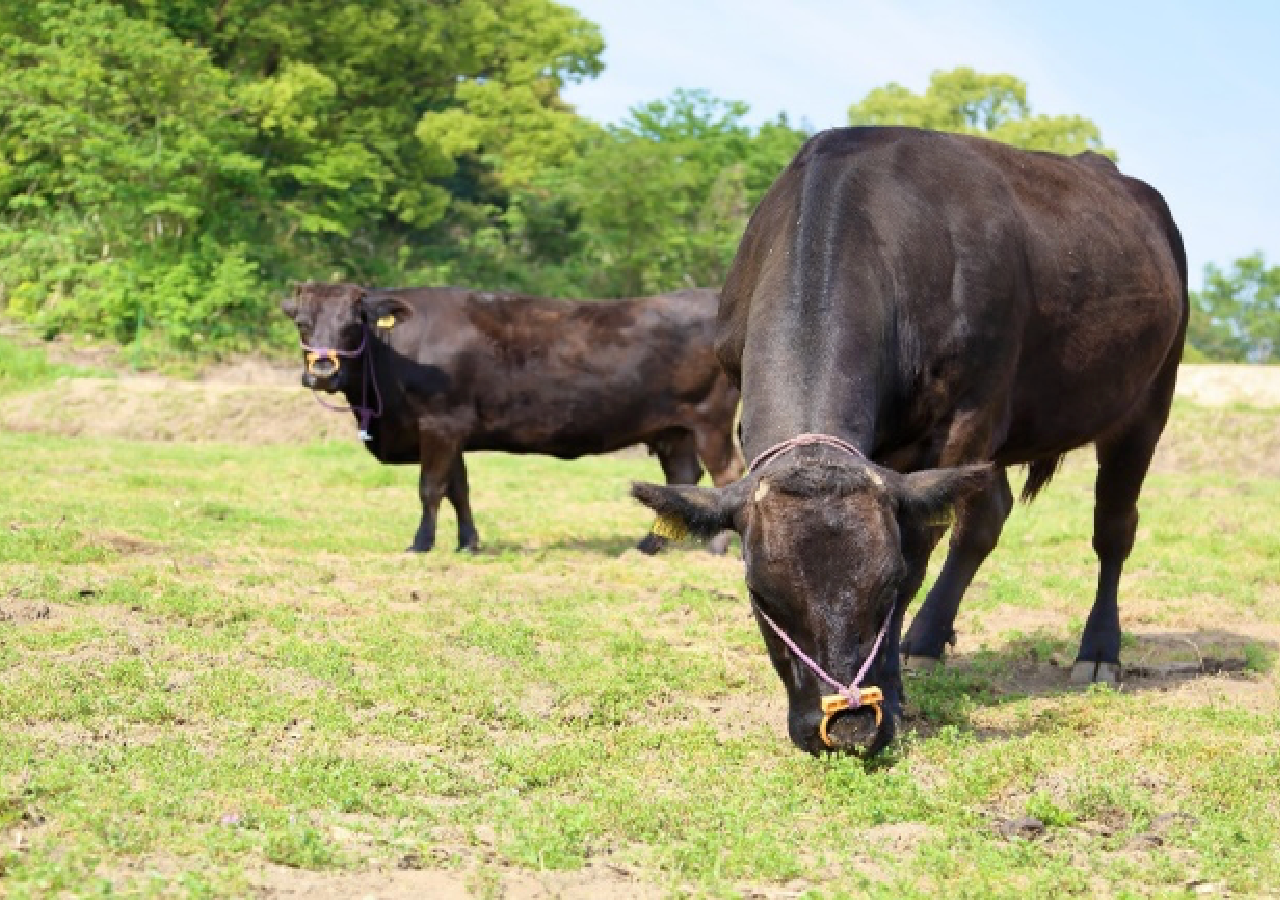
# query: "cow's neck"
[[814, 367], [354, 389]]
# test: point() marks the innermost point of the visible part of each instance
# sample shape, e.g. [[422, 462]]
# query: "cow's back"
[[1107, 297], [568, 378], [948, 272]]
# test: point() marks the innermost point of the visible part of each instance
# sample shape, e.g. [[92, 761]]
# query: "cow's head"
[[329, 317], [832, 545]]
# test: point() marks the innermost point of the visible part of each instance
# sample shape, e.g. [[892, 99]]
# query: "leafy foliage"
[[1236, 318], [123, 176], [168, 166], [656, 202], [666, 194], [969, 102]]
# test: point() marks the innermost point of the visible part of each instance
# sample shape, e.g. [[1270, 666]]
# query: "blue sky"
[[1187, 93]]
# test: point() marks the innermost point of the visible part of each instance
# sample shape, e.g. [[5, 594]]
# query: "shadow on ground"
[[1039, 665], [605, 546]]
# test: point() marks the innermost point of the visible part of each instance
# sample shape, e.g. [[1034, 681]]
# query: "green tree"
[[1236, 317], [654, 203], [665, 194], [969, 102], [120, 159], [172, 163]]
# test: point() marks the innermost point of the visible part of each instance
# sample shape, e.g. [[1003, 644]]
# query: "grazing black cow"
[[431, 372], [908, 314]]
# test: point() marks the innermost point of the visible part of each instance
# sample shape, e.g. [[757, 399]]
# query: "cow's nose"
[[324, 367], [853, 731]]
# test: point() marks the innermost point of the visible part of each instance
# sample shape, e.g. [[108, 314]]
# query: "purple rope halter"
[[852, 692], [364, 412]]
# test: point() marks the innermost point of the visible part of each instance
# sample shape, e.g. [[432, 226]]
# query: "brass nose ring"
[[834, 704], [315, 356]]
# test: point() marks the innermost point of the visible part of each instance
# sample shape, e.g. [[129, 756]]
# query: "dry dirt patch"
[[512, 884], [153, 408], [254, 401], [1178, 667], [1222, 385]]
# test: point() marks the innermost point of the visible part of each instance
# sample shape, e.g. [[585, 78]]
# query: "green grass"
[[217, 659], [24, 367]]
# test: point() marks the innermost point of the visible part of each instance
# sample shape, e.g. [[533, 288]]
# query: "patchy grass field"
[[219, 676]]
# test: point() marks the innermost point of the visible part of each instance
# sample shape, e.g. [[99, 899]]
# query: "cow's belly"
[[571, 427], [1081, 381]]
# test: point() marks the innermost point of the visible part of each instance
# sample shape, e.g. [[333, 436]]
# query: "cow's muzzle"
[[837, 706], [855, 731], [323, 363], [852, 731]]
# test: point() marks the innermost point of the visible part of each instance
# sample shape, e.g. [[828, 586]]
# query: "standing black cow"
[[431, 372], [908, 314]]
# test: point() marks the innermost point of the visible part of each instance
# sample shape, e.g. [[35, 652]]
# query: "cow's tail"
[[1039, 474]]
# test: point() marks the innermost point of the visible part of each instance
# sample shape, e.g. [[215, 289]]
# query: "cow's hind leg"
[[459, 494], [719, 454], [1123, 459], [678, 452], [979, 520]]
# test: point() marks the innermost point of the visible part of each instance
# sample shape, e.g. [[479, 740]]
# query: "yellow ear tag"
[[670, 527], [387, 322], [943, 519]]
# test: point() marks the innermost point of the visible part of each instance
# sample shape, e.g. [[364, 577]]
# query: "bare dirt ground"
[[591, 882], [1222, 385], [155, 408], [256, 401]]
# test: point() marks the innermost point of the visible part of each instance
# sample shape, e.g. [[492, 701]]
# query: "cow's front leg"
[[433, 481], [979, 521]]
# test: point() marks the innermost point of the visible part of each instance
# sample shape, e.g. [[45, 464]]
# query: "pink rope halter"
[[364, 412], [852, 692], [802, 440]]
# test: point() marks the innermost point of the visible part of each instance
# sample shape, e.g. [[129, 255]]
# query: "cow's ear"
[[290, 305], [685, 509], [385, 312], [932, 494]]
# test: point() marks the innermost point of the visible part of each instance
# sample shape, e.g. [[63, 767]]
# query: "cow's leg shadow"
[[979, 520]]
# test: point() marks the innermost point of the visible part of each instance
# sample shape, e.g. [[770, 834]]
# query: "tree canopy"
[[168, 166], [969, 102], [165, 165], [1236, 317]]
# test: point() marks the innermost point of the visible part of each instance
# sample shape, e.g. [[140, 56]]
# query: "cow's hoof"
[[651, 544], [414, 549], [1086, 672], [469, 548], [920, 663]]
